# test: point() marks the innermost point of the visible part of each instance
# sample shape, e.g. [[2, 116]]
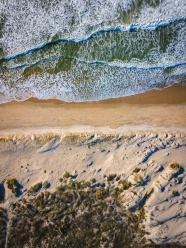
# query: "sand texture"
[[155, 108], [37, 158], [136, 138]]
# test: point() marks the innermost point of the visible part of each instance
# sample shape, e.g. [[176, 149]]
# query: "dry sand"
[[39, 140], [36, 158]]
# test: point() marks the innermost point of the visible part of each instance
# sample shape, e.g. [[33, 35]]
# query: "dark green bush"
[[3, 226], [12, 184], [35, 188], [126, 185], [139, 179], [110, 177], [100, 193], [76, 216], [66, 174], [174, 192], [46, 184], [174, 166], [136, 170]]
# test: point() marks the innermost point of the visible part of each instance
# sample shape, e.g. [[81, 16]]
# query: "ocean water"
[[84, 50]]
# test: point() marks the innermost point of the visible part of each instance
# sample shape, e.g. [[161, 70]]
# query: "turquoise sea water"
[[90, 50]]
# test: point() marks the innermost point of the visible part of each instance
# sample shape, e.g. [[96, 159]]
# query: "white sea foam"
[[28, 24], [88, 82], [90, 65]]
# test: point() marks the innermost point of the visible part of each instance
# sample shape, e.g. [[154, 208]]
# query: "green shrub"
[[87, 184], [116, 192], [12, 184], [110, 177], [136, 170], [66, 174], [126, 185], [138, 179], [3, 226], [174, 192], [46, 184], [35, 188], [73, 217], [100, 193], [174, 166], [179, 179], [141, 214], [92, 180], [118, 178]]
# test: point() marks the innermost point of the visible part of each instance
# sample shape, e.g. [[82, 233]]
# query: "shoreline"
[[172, 95], [166, 108]]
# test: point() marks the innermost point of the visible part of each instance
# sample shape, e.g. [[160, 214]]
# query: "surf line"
[[131, 28]]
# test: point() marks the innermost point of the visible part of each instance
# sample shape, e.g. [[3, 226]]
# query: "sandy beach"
[[164, 108], [93, 124], [40, 140]]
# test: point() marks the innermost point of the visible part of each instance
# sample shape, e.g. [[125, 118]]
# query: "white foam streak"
[[29, 24]]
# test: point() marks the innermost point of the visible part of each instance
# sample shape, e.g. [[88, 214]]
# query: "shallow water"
[[85, 51]]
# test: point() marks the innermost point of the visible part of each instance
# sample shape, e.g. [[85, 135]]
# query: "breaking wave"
[[85, 51]]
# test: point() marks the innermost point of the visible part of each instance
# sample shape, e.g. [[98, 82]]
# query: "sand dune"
[[32, 159]]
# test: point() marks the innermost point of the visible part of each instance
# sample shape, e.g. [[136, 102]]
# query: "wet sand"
[[166, 108]]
